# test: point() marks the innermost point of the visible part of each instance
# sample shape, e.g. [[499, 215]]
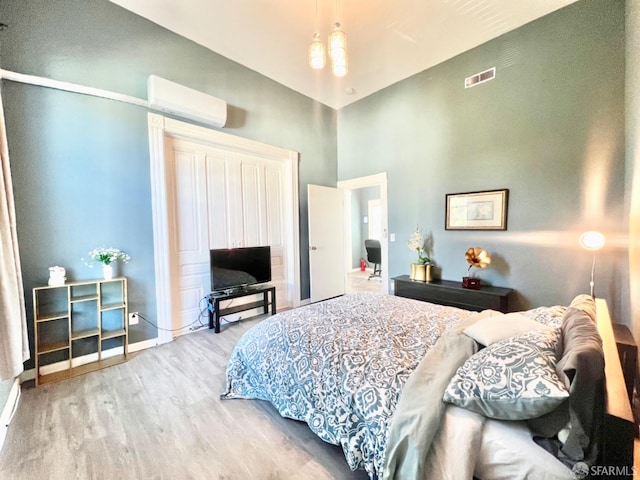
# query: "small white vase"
[[107, 271]]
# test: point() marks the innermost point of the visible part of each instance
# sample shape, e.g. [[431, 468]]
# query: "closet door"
[[262, 216], [222, 194], [252, 202], [221, 199], [189, 241], [245, 209], [235, 200]]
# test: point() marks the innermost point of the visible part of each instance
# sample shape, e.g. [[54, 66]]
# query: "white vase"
[[107, 271]]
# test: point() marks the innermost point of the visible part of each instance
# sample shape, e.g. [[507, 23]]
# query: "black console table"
[[446, 292], [214, 299]]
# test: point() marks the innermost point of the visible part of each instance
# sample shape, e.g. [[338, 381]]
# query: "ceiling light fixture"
[[338, 51], [316, 53], [316, 49], [337, 46]]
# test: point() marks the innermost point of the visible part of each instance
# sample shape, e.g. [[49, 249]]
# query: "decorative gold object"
[[418, 272], [479, 258]]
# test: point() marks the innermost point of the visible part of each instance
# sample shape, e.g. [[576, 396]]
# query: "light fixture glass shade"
[[337, 42], [316, 53], [339, 65], [592, 240]]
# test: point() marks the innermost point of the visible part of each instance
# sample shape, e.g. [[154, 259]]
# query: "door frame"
[[161, 127], [376, 180]]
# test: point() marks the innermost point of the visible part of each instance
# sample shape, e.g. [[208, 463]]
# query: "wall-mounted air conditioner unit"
[[186, 102]]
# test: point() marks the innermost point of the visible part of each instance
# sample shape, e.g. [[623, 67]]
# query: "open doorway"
[[366, 220]]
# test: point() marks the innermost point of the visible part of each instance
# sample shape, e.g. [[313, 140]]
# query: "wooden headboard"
[[619, 425]]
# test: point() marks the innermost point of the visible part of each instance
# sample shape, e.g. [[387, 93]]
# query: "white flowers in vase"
[[106, 256], [417, 243]]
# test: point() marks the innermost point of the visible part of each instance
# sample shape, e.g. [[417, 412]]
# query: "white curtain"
[[14, 342]]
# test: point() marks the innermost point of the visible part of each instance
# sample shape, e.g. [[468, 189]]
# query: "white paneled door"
[[326, 242], [221, 199], [189, 232]]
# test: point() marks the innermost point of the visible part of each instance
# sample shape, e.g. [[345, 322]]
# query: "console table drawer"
[[445, 292]]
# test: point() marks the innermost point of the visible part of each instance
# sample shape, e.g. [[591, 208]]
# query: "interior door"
[[190, 250], [375, 219], [326, 242]]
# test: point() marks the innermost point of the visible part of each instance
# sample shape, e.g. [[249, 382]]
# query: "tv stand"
[[214, 299]]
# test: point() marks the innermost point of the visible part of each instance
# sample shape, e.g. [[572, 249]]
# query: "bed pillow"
[[494, 328], [513, 379]]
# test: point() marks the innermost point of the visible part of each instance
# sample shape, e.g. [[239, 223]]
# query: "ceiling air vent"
[[479, 78]]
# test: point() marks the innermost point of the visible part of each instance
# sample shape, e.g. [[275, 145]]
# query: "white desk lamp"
[[594, 241]]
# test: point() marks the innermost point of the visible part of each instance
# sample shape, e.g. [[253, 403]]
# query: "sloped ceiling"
[[387, 41]]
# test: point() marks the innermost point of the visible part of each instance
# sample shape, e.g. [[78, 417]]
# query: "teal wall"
[[550, 128], [80, 164]]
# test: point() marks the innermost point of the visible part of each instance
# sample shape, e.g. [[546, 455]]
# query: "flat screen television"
[[237, 268]]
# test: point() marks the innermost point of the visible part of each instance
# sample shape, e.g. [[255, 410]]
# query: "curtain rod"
[[71, 87]]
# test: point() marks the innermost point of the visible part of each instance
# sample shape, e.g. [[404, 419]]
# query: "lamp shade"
[[337, 42], [316, 53], [592, 240], [339, 65]]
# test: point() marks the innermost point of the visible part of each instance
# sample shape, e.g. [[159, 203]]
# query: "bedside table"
[[453, 294]]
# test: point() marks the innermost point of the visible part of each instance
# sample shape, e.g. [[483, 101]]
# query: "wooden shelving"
[[72, 322]]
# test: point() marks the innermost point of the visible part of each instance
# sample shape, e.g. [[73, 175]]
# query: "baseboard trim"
[[27, 375], [143, 345], [9, 410], [64, 365]]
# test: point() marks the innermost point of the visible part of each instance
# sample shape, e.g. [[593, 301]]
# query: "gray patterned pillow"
[[513, 379]]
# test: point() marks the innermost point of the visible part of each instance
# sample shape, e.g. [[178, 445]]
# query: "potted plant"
[[420, 270], [107, 256]]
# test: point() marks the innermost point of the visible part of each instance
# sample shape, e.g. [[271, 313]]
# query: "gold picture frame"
[[485, 210]]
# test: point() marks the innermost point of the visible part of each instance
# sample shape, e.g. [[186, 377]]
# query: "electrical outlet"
[[133, 318]]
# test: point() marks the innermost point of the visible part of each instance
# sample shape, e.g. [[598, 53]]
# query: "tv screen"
[[233, 268]]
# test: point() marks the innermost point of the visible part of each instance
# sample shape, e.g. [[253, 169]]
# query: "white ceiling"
[[387, 41]]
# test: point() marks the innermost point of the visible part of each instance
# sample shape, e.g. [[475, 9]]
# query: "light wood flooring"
[[358, 281], [159, 416]]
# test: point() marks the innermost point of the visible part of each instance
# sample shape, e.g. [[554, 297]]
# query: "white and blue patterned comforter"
[[339, 366]]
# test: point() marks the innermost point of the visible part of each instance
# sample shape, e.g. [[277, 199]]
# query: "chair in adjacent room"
[[374, 255]]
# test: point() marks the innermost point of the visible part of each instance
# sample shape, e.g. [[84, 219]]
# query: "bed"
[[403, 386]]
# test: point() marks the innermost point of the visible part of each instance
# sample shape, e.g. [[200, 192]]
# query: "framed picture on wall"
[[477, 210]]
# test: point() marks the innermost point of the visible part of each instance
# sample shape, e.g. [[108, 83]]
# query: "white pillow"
[[494, 328]]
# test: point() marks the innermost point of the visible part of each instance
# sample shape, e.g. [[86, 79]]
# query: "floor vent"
[[479, 78]]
